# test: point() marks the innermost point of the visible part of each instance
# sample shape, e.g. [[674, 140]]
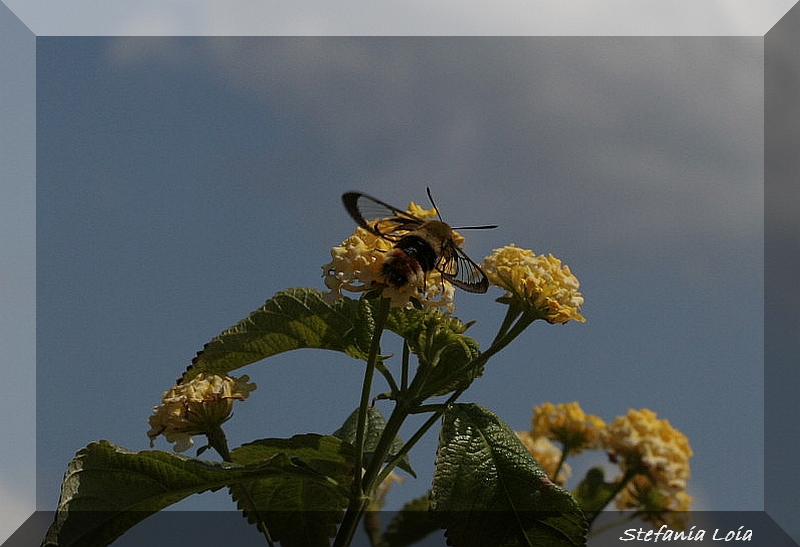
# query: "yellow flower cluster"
[[535, 281], [196, 407], [357, 264], [548, 455], [570, 425], [649, 446], [652, 455]]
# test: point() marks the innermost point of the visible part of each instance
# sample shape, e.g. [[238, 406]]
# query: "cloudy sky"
[[182, 181]]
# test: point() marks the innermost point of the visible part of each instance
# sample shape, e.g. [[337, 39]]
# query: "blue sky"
[[183, 181]]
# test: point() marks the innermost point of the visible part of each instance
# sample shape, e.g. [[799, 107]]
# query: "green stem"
[[617, 489], [421, 377], [515, 322], [511, 315], [425, 409], [387, 375], [218, 441], [409, 444], [404, 373], [384, 446], [501, 340], [358, 498], [507, 336], [561, 461], [366, 392], [376, 471]]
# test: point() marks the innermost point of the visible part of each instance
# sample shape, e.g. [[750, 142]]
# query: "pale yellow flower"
[[539, 282], [379, 498], [658, 505], [547, 454], [570, 425], [641, 443], [357, 264], [196, 407]]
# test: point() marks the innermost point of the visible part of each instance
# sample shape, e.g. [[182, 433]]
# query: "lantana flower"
[[547, 454], [379, 498], [357, 263], [569, 425], [643, 444], [537, 282], [197, 407]]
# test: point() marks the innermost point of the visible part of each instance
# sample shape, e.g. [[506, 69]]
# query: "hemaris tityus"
[[420, 245]]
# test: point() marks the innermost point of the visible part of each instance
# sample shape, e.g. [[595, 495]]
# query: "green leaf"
[[303, 318], [441, 347], [297, 509], [108, 489], [593, 492], [413, 523], [488, 490], [375, 425], [292, 319]]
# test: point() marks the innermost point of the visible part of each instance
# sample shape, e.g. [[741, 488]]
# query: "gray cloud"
[[663, 135]]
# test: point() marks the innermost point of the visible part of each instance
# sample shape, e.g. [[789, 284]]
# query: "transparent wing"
[[459, 269], [379, 217]]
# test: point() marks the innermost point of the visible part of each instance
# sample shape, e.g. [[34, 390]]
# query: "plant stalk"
[[359, 500]]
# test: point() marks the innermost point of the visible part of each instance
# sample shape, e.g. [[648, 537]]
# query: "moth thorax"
[[424, 250], [436, 233]]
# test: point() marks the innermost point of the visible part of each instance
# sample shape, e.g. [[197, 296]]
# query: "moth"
[[420, 245]]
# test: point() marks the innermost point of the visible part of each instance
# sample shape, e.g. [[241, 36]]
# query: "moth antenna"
[[487, 227], [435, 208]]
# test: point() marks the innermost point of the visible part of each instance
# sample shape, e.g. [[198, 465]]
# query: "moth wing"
[[459, 269], [379, 217]]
